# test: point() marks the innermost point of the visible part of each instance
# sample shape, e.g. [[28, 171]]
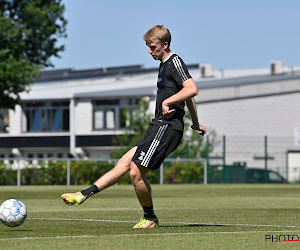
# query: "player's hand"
[[167, 112], [199, 128]]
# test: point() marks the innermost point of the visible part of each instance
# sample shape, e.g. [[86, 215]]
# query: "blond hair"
[[159, 32]]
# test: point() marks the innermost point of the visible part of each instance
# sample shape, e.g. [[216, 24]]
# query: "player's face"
[[156, 49]]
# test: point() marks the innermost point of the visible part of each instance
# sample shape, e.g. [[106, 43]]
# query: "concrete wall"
[[246, 114], [15, 121], [83, 117]]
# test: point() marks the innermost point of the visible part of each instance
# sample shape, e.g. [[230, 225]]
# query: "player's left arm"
[[193, 111]]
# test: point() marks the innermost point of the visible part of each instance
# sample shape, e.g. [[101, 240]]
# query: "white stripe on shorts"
[[154, 145]]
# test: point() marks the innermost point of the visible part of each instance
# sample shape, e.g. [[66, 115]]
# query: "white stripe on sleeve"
[[179, 68]]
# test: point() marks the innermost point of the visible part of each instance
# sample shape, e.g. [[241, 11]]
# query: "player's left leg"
[[141, 184], [152, 150], [143, 193]]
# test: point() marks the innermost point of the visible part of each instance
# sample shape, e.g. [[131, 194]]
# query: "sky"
[[230, 34]]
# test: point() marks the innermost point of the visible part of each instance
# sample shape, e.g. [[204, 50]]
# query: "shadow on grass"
[[194, 225], [15, 230]]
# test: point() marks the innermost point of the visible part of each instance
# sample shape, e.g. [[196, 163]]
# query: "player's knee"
[[135, 175]]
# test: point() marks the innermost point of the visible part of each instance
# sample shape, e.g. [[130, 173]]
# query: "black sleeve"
[[179, 70]]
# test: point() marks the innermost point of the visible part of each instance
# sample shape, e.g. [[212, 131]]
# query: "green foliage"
[[85, 173], [28, 38], [8, 176], [15, 75], [184, 172], [55, 173]]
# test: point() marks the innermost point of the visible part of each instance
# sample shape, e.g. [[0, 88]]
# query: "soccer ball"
[[13, 213]]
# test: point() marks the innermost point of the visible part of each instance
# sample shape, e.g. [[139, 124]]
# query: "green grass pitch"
[[191, 217]]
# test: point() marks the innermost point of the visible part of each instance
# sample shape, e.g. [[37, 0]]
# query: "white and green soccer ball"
[[13, 213]]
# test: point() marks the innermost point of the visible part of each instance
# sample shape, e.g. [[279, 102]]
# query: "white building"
[[81, 111]]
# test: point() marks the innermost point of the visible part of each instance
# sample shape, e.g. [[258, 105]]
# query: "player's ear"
[[166, 45]]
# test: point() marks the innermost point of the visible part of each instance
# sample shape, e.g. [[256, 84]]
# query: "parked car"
[[257, 175]]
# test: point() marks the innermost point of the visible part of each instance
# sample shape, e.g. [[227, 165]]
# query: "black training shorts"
[[158, 143]]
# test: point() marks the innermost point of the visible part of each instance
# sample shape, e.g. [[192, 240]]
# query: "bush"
[[8, 176], [45, 173], [183, 172], [87, 172]]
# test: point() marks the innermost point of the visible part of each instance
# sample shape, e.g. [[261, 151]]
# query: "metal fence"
[[226, 157], [272, 153]]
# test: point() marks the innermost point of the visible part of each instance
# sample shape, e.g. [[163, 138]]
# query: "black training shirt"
[[172, 73]]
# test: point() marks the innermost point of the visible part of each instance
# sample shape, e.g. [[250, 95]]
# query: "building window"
[[40, 156], [47, 116], [112, 114], [30, 155], [104, 118], [4, 120]]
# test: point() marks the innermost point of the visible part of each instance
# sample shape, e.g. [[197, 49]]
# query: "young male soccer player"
[[175, 87]]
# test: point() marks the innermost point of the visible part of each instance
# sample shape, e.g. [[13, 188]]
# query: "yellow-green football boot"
[[147, 223], [73, 198]]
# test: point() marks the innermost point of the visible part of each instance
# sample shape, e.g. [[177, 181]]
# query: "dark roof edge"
[[70, 74], [245, 80]]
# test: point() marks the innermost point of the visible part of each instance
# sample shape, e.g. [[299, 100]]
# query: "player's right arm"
[[188, 91]]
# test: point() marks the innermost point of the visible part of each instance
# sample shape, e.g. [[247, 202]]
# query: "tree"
[[28, 38]]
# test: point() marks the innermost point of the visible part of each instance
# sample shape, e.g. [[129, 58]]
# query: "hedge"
[[86, 172]]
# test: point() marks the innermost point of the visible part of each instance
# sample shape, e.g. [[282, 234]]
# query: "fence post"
[[224, 151], [161, 174], [287, 166], [68, 173], [266, 159], [205, 173], [207, 158], [19, 173]]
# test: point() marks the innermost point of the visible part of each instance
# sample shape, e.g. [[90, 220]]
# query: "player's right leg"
[[105, 181]]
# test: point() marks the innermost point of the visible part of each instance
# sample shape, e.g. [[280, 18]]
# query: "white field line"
[[130, 235], [296, 195], [184, 223], [93, 220]]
